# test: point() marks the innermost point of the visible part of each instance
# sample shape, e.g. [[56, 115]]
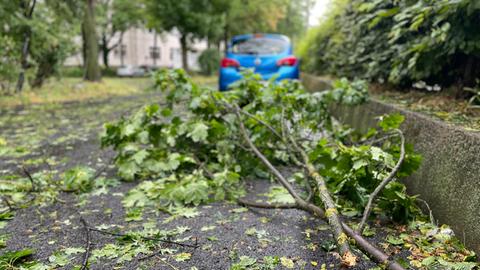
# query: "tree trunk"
[[92, 69], [226, 36], [46, 68], [184, 48], [105, 51], [226, 31], [26, 46]]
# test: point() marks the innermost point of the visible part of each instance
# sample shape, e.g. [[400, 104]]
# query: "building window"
[[155, 53], [172, 53], [121, 50]]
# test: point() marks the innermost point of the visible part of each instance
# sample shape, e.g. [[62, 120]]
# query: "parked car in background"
[[267, 54], [131, 71]]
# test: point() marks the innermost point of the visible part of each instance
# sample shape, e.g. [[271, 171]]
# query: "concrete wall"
[[449, 177]]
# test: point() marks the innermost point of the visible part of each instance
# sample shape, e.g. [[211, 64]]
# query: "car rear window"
[[259, 45]]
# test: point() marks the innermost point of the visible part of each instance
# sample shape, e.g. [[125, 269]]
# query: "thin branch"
[[430, 213], [384, 183], [86, 255], [202, 166], [244, 202], [9, 205], [284, 182], [166, 263], [282, 138], [29, 176], [273, 130], [377, 140], [102, 169]]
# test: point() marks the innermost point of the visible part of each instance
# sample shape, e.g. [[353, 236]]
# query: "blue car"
[[267, 54]]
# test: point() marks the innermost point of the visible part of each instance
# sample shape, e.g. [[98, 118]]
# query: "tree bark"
[[105, 50], [92, 69], [45, 69], [184, 48], [26, 46]]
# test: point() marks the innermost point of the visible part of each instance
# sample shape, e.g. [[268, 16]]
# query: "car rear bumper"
[[228, 76]]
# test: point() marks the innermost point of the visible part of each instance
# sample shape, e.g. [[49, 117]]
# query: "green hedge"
[[78, 72], [399, 41]]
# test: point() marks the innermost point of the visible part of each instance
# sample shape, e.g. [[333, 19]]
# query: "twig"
[[166, 263], [9, 205], [102, 169], [430, 213], [294, 158], [86, 255], [27, 173], [282, 138], [244, 202], [284, 182], [144, 237], [384, 183], [202, 166], [374, 141], [273, 130]]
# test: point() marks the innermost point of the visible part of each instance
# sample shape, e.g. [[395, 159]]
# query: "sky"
[[318, 11]]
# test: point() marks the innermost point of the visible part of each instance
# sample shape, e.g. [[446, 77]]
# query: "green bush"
[[209, 61], [398, 41], [72, 72]]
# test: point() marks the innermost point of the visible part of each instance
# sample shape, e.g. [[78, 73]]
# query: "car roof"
[[249, 36]]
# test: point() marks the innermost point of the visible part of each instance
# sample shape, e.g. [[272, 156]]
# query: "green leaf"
[[390, 122], [199, 132], [78, 179], [13, 257]]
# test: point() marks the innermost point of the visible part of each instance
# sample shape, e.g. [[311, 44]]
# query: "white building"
[[143, 47]]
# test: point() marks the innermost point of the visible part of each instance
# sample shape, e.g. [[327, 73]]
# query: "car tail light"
[[287, 61], [227, 62]]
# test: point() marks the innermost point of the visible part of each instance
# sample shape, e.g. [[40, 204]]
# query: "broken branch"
[[374, 252], [383, 184]]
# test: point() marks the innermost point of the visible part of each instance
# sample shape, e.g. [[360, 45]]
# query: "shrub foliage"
[[190, 149], [399, 41]]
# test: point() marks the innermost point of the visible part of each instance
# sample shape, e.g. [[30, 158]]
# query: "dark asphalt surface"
[[53, 227]]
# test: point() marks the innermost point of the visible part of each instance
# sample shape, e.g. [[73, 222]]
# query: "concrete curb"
[[449, 177]]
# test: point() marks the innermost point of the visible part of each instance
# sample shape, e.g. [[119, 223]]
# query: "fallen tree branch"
[[332, 216], [384, 183], [331, 211], [362, 243]]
